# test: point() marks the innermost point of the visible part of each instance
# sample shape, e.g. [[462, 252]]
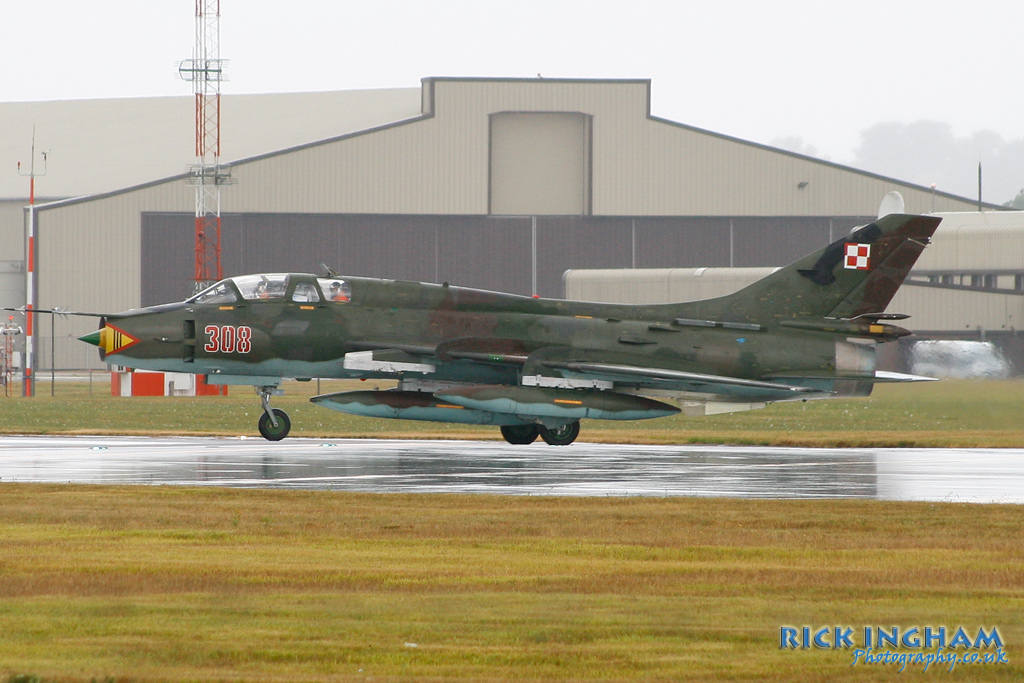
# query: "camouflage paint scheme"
[[536, 366]]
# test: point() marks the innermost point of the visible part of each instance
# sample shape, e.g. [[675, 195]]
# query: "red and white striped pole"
[[28, 380]]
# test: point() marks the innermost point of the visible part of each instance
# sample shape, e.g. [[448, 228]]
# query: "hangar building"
[[494, 183]]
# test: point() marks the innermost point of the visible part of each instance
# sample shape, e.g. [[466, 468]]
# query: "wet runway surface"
[[583, 469]]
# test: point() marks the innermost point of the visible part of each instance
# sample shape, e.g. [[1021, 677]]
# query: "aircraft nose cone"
[[110, 339], [91, 338]]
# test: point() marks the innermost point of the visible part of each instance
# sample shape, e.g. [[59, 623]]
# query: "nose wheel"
[[272, 431], [274, 423]]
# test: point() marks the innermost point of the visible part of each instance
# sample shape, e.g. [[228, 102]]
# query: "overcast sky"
[[816, 72]]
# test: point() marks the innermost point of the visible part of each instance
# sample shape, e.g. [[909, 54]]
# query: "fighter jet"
[[532, 366]]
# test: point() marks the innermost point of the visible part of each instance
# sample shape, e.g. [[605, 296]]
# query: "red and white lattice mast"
[[206, 71]]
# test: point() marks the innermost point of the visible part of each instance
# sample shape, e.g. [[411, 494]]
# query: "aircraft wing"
[[483, 350], [885, 376], [681, 380], [593, 372], [881, 376], [411, 349]]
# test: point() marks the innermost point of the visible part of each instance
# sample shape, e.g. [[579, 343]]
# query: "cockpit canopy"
[[269, 286], [274, 286]]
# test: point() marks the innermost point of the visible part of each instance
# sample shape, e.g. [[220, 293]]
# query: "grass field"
[[176, 584], [981, 413]]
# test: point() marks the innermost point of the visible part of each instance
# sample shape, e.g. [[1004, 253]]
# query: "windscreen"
[[220, 293]]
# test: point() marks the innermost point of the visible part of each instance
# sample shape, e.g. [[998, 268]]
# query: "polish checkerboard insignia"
[[858, 256]]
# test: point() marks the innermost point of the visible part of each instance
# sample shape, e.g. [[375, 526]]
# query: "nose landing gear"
[[274, 423]]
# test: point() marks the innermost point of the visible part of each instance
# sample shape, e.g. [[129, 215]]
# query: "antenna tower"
[[206, 71]]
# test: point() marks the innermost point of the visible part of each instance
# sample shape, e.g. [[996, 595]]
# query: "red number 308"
[[228, 339]]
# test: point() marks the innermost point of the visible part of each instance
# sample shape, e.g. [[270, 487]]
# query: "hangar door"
[[540, 164]]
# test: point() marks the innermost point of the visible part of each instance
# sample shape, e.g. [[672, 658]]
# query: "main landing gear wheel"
[[560, 436], [274, 423], [271, 432], [520, 435]]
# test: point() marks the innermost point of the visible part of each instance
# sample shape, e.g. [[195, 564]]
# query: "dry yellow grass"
[[180, 584]]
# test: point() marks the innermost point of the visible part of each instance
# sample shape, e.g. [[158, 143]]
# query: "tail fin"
[[856, 275]]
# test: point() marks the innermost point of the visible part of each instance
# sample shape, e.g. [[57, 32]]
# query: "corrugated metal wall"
[[640, 165], [936, 309], [540, 164], [473, 251], [12, 214], [977, 241], [488, 252], [658, 285]]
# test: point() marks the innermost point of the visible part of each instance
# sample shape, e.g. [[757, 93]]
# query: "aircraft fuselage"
[[537, 366], [460, 334]]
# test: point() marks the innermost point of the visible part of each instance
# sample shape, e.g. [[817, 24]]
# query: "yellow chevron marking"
[[113, 340]]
